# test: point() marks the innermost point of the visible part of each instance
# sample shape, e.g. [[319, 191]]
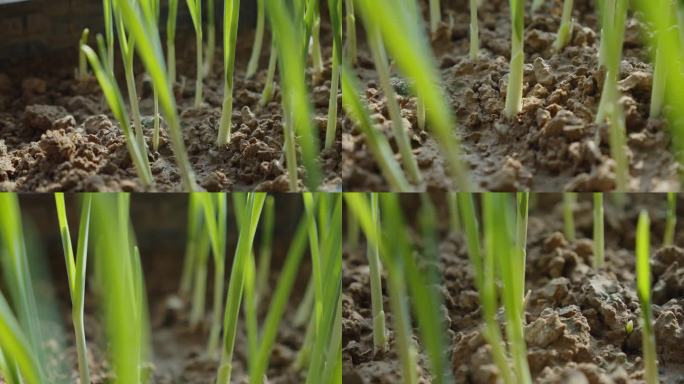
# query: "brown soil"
[[56, 133], [576, 317], [551, 146]]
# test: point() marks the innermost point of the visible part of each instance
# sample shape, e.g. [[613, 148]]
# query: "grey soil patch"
[[576, 317], [552, 145]]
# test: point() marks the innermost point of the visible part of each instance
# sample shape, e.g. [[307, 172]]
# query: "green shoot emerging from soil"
[[109, 33], [569, 201], [474, 30], [82, 73], [127, 45], [195, 8], [140, 22], [377, 142], [335, 10], [76, 273], [599, 244], [288, 35], [230, 26], [659, 74], [406, 42], [171, 39], [671, 219], [211, 38], [248, 221], [510, 263], [643, 271], [565, 30], [515, 77], [352, 53], [113, 96], [124, 297], [382, 67], [253, 64], [373, 254]]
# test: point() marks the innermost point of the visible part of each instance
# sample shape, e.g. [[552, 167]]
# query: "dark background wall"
[[30, 28]]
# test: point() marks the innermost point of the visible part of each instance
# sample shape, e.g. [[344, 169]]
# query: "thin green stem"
[[435, 16], [643, 271], [569, 201], [565, 29], [211, 38], [515, 77], [671, 219], [400, 132], [171, 39], [373, 255], [253, 64], [352, 52], [267, 94], [599, 248], [82, 73]]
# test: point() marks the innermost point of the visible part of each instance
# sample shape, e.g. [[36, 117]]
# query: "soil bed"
[[575, 317], [56, 134], [552, 145]]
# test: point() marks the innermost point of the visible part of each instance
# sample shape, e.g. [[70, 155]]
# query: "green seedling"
[[326, 345], [406, 42], [269, 330], [82, 73], [289, 34], [76, 274], [125, 306], [377, 143], [402, 268], [171, 39], [195, 8], [19, 365], [211, 38], [253, 64], [267, 94], [510, 263], [659, 76], [515, 78], [115, 100], [643, 271], [230, 26], [400, 131], [522, 212], [569, 201], [352, 52], [335, 10], [127, 46], [373, 254], [565, 30], [157, 121], [474, 30], [20, 335], [195, 220], [313, 10], [454, 219], [215, 211], [140, 22], [265, 250], [109, 33], [671, 219], [247, 230], [435, 16], [667, 41], [599, 247]]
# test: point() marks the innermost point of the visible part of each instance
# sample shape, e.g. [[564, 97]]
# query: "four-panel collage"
[[341, 191]]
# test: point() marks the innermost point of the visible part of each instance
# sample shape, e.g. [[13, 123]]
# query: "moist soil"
[[576, 317], [57, 133], [553, 144]]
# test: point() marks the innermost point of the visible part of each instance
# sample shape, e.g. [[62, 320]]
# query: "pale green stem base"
[[253, 64], [226, 123], [199, 83], [331, 129], [267, 95]]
